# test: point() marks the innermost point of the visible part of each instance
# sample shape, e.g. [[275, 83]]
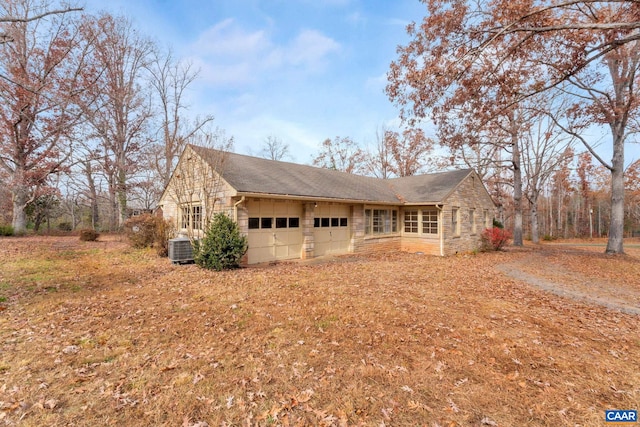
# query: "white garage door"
[[275, 231], [332, 229]]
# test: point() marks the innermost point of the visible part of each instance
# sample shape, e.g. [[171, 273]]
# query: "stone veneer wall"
[[426, 245], [308, 243], [469, 194], [363, 244]]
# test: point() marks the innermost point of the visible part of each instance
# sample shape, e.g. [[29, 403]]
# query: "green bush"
[[497, 224], [89, 235], [222, 246], [6, 230], [65, 226]]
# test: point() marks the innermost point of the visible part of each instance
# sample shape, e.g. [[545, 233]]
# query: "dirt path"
[[541, 268]]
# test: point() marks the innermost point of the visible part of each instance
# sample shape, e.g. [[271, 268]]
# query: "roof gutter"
[[235, 209], [440, 208], [316, 199]]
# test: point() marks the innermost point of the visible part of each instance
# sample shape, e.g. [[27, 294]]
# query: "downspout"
[[441, 209], [235, 209]]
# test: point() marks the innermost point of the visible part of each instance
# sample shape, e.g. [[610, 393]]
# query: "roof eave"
[[308, 198]]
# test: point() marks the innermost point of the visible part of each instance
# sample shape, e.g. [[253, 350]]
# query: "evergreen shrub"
[[222, 246]]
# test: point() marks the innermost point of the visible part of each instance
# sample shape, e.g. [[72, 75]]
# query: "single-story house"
[[293, 211]]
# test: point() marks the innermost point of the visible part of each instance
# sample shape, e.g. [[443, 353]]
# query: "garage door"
[[332, 229], [275, 231]]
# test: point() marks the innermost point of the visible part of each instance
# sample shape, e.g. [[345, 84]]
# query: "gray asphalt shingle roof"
[[257, 175]]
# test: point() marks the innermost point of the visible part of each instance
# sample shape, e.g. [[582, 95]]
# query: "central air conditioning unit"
[[180, 250]]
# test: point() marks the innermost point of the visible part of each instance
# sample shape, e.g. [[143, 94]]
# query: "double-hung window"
[[430, 221], [411, 221], [455, 221]]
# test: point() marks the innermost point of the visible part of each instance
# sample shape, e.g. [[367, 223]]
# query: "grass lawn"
[[98, 333]]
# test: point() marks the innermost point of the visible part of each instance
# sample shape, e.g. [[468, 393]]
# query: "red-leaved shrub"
[[493, 239]]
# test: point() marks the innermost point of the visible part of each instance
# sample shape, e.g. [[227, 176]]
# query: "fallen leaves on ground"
[[97, 333]]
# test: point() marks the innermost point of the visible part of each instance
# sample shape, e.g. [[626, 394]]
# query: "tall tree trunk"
[[93, 195], [517, 190], [20, 201], [616, 228], [122, 197], [113, 205], [535, 232]]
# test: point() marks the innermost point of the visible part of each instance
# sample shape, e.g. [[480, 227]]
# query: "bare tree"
[[341, 154], [117, 106], [170, 80], [545, 148], [274, 148], [378, 160], [6, 37]]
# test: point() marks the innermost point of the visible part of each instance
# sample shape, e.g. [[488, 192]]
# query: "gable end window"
[[191, 217], [472, 220], [455, 221]]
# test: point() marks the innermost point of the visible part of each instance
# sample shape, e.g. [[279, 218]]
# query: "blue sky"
[[299, 70]]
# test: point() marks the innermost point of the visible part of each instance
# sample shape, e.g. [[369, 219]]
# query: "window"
[[487, 224], [344, 222], [324, 222], [430, 221], [184, 215], [411, 221], [316, 222], [367, 221], [380, 221], [454, 221], [472, 220], [196, 217], [267, 223], [191, 217], [335, 222]]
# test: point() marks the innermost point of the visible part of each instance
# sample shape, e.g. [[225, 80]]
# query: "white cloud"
[[311, 48], [228, 39], [229, 54]]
